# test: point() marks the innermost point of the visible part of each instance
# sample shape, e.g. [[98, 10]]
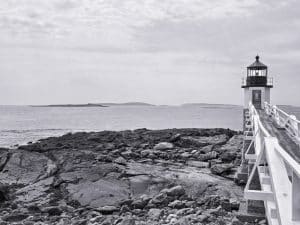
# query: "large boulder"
[[159, 200], [120, 160], [154, 214], [108, 209], [228, 156], [219, 169], [207, 156], [99, 193], [24, 167], [198, 164], [174, 191], [4, 193], [189, 141], [163, 146]]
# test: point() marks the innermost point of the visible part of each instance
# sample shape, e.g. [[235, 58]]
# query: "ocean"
[[22, 124]]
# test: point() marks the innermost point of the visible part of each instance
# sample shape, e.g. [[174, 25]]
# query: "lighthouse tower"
[[257, 85]]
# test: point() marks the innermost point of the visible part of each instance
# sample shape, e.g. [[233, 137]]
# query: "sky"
[[156, 51]]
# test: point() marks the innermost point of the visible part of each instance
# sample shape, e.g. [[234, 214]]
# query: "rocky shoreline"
[[140, 177]]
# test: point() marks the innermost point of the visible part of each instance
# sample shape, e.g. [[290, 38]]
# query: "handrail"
[[282, 193], [255, 113], [284, 120]]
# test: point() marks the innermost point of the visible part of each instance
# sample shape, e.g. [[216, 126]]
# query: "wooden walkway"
[[284, 139]]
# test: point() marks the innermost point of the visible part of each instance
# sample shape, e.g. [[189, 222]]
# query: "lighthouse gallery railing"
[[279, 176]]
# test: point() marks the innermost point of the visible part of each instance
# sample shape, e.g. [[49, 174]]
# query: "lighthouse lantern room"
[[257, 85]]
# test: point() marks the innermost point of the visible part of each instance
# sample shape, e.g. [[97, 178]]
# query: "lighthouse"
[[257, 85]]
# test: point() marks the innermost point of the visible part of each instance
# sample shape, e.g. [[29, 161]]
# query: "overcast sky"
[[156, 51]]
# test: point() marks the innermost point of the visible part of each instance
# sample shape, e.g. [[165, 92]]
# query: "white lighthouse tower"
[[257, 85]]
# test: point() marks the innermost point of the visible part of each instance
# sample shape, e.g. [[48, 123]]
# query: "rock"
[[107, 209], [262, 222], [210, 201], [140, 203], [235, 221], [96, 219], [120, 160], [194, 152], [171, 217], [228, 156], [127, 221], [4, 156], [198, 164], [188, 142], [215, 161], [176, 204], [124, 209], [174, 191], [155, 214], [24, 167], [104, 158], [207, 149], [207, 156], [82, 179], [107, 221], [100, 192], [163, 146], [226, 205], [185, 155], [160, 199], [80, 222], [217, 211], [146, 152], [219, 169], [128, 154], [15, 217], [27, 223], [175, 137], [52, 211], [184, 211], [4, 193], [202, 218], [234, 204]]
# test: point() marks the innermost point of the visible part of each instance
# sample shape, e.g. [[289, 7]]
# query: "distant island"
[[71, 105], [111, 104], [127, 104], [96, 104]]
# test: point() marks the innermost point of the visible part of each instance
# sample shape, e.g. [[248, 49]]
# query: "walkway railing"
[[285, 121], [279, 176]]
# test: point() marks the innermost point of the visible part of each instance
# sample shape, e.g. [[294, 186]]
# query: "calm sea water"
[[21, 124]]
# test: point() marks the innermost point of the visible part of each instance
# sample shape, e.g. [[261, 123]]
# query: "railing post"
[[293, 125], [296, 197], [266, 108], [276, 115]]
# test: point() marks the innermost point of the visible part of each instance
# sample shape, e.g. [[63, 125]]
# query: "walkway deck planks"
[[284, 139]]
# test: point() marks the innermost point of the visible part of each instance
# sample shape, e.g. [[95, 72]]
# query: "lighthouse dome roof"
[[257, 64]]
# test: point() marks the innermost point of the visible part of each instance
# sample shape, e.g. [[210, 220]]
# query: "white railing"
[[279, 176], [284, 120]]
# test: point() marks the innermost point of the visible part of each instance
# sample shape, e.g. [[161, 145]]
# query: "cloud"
[[68, 16], [166, 43]]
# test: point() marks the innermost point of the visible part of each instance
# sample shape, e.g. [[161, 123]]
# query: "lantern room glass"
[[257, 72]]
